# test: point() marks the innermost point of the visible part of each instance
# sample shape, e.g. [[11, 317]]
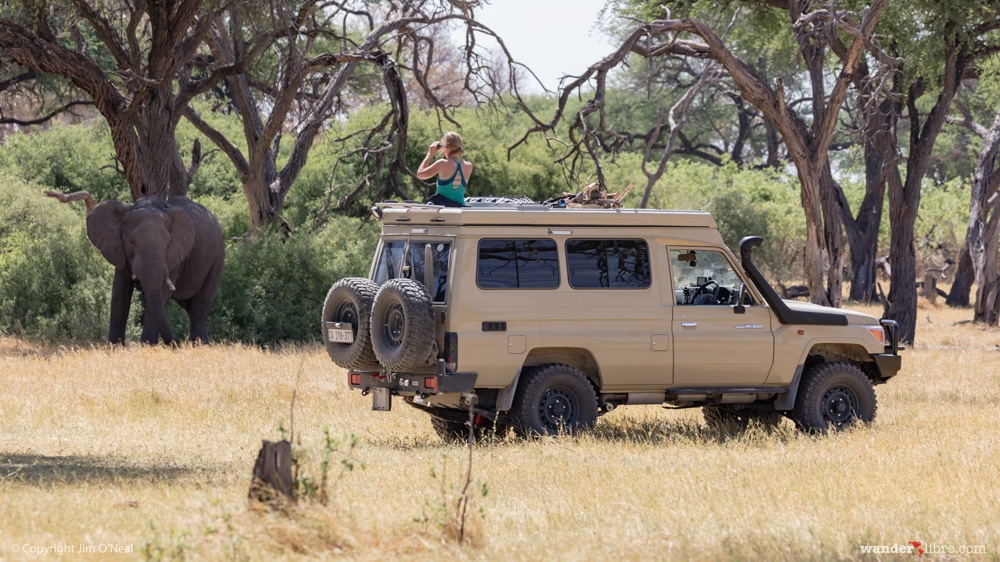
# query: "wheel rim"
[[840, 405], [394, 326], [347, 313], [558, 408]]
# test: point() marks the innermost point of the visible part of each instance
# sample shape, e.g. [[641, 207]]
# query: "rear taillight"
[[353, 379], [431, 383]]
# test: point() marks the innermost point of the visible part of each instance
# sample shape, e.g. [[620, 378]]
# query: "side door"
[[714, 343]]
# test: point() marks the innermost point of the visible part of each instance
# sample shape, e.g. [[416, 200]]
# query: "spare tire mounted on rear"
[[348, 305], [403, 326]]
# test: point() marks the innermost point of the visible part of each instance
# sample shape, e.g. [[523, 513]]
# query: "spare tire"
[[349, 303], [403, 326]]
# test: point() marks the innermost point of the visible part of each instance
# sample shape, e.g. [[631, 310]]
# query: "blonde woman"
[[452, 172]]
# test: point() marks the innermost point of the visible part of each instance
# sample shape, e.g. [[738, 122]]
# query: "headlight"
[[878, 332]]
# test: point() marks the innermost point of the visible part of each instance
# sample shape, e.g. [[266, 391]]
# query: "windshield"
[[405, 258]]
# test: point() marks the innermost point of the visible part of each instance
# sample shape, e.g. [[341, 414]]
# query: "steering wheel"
[[703, 290]]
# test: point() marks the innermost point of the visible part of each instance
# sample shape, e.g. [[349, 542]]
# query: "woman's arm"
[[426, 169]]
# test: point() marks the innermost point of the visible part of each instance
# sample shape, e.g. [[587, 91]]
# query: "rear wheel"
[[349, 302], [403, 326], [552, 399], [834, 396]]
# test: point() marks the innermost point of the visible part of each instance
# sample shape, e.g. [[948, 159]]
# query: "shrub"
[[273, 287], [66, 158], [54, 285]]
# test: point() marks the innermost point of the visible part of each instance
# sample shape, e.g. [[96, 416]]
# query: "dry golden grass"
[[152, 449]]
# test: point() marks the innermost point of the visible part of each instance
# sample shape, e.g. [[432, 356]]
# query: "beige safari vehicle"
[[541, 319]]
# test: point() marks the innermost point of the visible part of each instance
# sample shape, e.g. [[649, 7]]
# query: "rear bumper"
[[413, 384]]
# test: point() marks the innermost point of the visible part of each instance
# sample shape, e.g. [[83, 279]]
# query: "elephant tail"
[[75, 196]]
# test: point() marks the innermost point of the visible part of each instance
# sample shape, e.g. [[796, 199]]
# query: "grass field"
[[150, 451]]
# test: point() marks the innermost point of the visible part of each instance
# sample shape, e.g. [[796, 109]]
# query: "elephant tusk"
[[170, 285]]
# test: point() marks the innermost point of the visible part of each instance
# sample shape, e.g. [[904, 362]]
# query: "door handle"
[[689, 324]]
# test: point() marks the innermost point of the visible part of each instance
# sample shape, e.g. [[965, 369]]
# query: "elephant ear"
[[104, 228], [181, 237]]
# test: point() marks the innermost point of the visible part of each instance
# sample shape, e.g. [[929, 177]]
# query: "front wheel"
[[553, 399], [834, 396]]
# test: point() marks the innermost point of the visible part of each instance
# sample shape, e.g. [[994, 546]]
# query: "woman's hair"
[[452, 141]]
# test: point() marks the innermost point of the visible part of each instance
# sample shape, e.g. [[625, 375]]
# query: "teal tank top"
[[450, 188]]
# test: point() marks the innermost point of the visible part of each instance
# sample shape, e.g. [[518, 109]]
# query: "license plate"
[[340, 335]]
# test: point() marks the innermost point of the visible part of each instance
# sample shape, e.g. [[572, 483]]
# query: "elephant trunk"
[[156, 325], [157, 288]]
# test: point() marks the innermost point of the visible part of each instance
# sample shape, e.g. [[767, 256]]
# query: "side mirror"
[[740, 297]]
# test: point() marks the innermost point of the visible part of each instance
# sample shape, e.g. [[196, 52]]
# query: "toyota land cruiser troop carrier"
[[541, 319]]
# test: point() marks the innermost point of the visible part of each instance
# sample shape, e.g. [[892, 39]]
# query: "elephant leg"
[[121, 301], [197, 332], [199, 306], [199, 323]]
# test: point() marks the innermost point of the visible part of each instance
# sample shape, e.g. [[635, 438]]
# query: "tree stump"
[[272, 473]]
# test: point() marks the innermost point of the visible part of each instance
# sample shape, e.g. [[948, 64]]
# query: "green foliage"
[[216, 175], [744, 202], [451, 514], [273, 287], [66, 158], [320, 488], [53, 283]]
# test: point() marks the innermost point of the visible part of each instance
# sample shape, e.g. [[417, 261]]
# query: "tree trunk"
[[260, 182], [833, 233], [863, 230], [814, 262], [961, 285], [981, 236], [159, 155], [903, 288], [904, 197]]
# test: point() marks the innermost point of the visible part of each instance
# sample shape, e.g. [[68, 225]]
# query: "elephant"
[[171, 250]]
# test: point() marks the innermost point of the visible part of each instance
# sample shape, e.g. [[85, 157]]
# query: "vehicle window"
[[390, 261], [391, 264], [517, 264], [704, 277], [615, 264]]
